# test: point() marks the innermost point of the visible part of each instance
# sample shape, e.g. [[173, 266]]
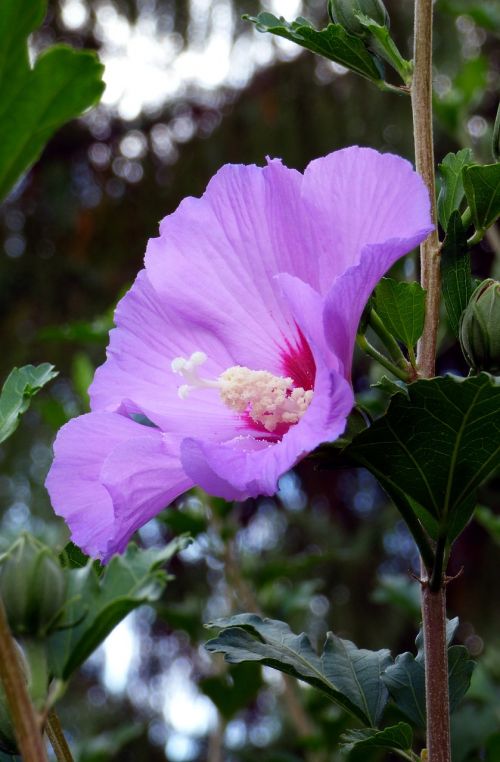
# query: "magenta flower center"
[[267, 399]]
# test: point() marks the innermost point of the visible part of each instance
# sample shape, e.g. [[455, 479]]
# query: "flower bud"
[[32, 587], [343, 12], [480, 328]]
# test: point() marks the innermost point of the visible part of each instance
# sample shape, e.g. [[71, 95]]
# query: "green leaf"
[[384, 46], [405, 678], [36, 101], [482, 188], [396, 737], [333, 43], [15, 398], [452, 188], [437, 445], [495, 138], [456, 271], [97, 603], [349, 676], [390, 386], [401, 306]]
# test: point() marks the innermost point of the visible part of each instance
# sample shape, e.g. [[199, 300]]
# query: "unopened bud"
[[480, 328], [32, 587], [344, 12]]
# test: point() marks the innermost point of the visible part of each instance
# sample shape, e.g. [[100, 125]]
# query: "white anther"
[[269, 400], [188, 369]]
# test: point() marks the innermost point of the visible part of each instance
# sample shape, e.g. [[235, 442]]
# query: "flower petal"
[[137, 377], [358, 196], [217, 256], [143, 476], [84, 448], [349, 294]]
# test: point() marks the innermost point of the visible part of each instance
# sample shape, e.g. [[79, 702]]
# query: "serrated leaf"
[[37, 101], [456, 274], [482, 188], [401, 306], [99, 602], [349, 676], [437, 445], [452, 189], [396, 737], [15, 398], [405, 678], [332, 42]]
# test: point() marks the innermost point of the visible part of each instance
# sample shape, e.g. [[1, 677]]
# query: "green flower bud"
[[343, 12], [32, 587], [480, 328]]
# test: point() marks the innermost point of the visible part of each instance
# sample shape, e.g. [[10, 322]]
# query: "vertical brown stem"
[[433, 602], [421, 98], [436, 674], [55, 734], [22, 712]]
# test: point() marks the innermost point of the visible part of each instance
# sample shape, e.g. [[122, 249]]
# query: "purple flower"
[[232, 351]]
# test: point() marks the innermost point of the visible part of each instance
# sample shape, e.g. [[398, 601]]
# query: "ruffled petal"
[[246, 467], [143, 476], [98, 445], [358, 196]]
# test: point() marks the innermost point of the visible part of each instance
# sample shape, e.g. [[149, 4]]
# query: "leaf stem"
[[387, 338], [433, 602], [365, 345], [57, 739], [22, 712], [417, 532], [436, 579]]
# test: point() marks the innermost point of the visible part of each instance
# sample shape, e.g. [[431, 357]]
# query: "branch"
[[22, 712]]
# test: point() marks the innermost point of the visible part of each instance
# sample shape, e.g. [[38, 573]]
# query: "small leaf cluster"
[[363, 53], [57, 634]]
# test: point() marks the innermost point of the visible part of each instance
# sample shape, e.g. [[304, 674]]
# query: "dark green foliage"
[[349, 676], [456, 275], [405, 678], [452, 188], [396, 737], [36, 101], [401, 306], [333, 43], [437, 445], [98, 603], [482, 188]]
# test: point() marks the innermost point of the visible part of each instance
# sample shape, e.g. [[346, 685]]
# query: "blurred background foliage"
[[190, 87]]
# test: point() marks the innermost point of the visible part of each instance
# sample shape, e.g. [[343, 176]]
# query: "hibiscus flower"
[[231, 356]]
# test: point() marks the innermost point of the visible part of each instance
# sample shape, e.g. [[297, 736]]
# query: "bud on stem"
[[480, 328]]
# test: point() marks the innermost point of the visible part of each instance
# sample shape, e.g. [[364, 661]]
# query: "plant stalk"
[[23, 715], [57, 739], [433, 601], [421, 101]]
